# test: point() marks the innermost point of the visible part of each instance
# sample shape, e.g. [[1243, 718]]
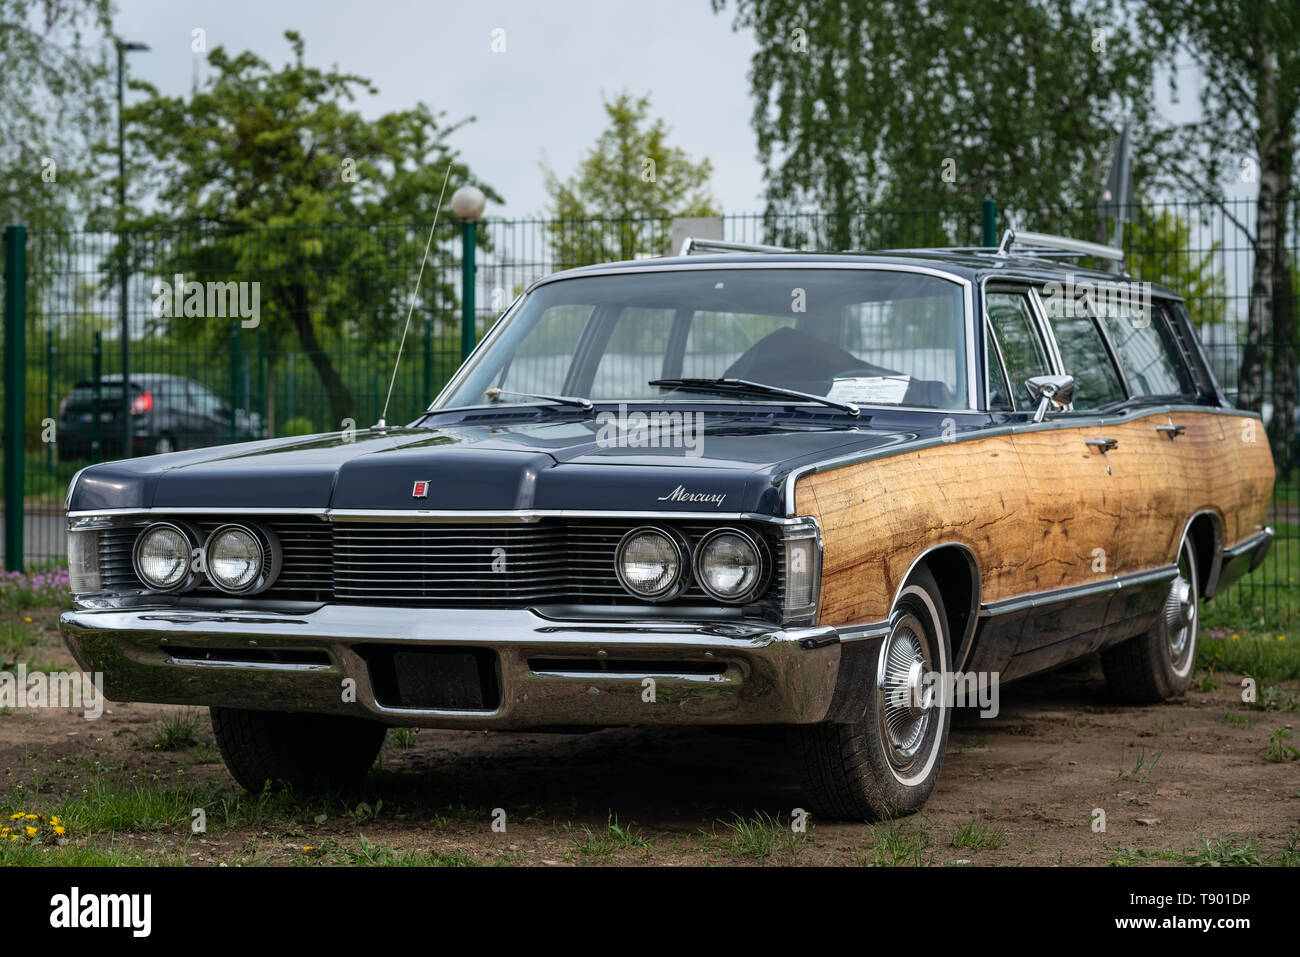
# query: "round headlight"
[[651, 564], [238, 560], [162, 557], [729, 564]]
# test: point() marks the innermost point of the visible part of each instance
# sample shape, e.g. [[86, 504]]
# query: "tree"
[[1249, 61], [56, 93], [1158, 248], [907, 103], [258, 147], [632, 178]]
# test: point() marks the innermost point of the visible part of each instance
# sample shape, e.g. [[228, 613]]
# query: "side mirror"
[[1049, 390]]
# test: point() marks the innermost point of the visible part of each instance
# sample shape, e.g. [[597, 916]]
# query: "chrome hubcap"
[[1180, 610], [904, 702]]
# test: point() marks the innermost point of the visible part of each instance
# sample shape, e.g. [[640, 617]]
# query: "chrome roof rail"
[[1056, 246], [692, 245]]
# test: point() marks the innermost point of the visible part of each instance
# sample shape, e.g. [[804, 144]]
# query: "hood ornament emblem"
[[421, 489]]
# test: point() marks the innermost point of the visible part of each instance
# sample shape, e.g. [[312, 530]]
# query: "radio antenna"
[[382, 424]]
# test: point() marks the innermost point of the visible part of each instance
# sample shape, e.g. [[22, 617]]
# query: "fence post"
[[15, 391], [989, 224], [96, 405], [468, 240], [235, 364], [425, 396]]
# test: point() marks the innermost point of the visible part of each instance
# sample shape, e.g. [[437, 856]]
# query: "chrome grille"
[[416, 563]]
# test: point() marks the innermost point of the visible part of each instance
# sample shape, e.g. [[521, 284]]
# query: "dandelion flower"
[[31, 831], [59, 829]]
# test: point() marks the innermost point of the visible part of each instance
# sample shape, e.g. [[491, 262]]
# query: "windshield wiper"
[[584, 404], [744, 385]]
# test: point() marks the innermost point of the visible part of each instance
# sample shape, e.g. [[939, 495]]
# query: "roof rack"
[[693, 245], [1014, 242], [1056, 246]]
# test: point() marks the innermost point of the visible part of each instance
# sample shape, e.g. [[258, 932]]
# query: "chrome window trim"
[[1025, 287], [966, 284], [1039, 308]]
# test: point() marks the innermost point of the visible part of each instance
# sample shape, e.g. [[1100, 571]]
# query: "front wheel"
[[886, 765], [1158, 664], [305, 751]]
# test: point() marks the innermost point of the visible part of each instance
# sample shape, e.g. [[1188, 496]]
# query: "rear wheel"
[[305, 751], [886, 765], [1158, 664]]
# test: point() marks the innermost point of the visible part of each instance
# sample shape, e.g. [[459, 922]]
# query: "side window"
[[1145, 348], [999, 398], [1084, 355], [1011, 322]]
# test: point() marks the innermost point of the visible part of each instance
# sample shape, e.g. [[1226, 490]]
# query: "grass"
[[978, 835], [900, 844], [1143, 767], [760, 836], [176, 732], [612, 839], [1261, 655], [1215, 852], [369, 854], [1266, 602], [23, 636], [1219, 853], [106, 806], [114, 807], [403, 739], [74, 856]]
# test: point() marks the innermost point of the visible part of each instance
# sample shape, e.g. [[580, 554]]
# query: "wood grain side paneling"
[[1032, 507]]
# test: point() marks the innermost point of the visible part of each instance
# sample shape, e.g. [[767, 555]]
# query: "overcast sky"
[[542, 96]]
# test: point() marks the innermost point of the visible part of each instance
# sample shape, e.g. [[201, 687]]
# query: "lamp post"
[[123, 48], [467, 203]]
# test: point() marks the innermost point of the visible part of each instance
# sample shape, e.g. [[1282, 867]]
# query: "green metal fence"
[[288, 331]]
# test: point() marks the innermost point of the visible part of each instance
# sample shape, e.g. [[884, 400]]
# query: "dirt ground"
[[1017, 789]]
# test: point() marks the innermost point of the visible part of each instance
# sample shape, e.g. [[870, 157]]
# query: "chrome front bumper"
[[547, 672]]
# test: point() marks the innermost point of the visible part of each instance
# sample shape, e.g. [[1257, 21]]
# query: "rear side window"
[[1146, 351], [1084, 356], [1011, 323]]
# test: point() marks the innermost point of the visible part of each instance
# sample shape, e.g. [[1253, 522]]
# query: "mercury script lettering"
[[679, 494]]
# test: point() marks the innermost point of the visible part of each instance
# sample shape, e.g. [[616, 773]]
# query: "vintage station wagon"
[[735, 487]]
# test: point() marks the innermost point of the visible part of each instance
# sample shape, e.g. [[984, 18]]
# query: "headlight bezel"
[[763, 562], [192, 539], [682, 549], [271, 558]]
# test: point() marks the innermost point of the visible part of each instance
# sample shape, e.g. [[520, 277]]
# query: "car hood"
[[724, 464]]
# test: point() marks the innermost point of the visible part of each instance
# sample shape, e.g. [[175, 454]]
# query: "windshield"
[[871, 337]]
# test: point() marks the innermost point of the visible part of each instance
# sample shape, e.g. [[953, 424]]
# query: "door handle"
[[1171, 430], [1104, 444]]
